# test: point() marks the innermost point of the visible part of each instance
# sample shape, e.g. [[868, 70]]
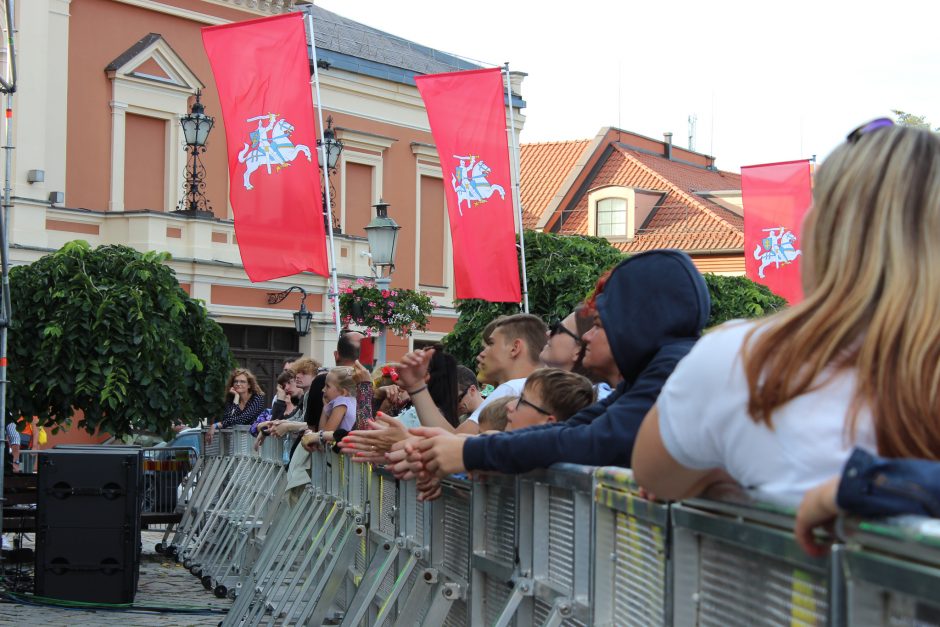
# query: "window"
[[611, 217]]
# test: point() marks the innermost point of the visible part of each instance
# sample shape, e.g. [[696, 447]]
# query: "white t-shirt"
[[513, 387], [703, 421]]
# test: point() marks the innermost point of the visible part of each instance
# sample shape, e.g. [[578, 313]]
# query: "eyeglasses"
[[864, 129], [462, 394], [522, 401], [557, 327]]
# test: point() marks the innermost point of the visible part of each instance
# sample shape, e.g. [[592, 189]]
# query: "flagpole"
[[515, 190], [308, 21]]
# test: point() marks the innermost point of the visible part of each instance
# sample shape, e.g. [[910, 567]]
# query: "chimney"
[[667, 145]]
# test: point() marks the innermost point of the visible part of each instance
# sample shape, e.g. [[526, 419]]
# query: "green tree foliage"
[[739, 297], [562, 271], [109, 331], [904, 118]]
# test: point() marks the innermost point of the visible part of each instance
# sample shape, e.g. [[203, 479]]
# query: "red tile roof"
[[681, 219], [544, 168]]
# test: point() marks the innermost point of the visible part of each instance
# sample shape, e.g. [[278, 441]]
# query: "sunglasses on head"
[[557, 327], [868, 127]]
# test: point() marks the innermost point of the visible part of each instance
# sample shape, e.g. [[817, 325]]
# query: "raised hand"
[[414, 368]]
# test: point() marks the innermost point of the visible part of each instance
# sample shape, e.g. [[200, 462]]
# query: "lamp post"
[[302, 317], [334, 148], [196, 126], [382, 232]]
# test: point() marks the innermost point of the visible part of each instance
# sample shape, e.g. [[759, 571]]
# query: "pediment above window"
[[152, 60]]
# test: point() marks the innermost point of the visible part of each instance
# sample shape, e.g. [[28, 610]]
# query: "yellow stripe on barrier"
[[802, 600]]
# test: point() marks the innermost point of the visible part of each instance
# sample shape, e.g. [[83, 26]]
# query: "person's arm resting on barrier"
[[603, 436], [656, 471], [870, 486]]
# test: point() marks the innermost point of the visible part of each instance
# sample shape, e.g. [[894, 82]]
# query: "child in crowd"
[[495, 416], [550, 395], [339, 397]]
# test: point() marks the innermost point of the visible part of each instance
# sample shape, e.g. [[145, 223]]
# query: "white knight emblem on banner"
[[777, 248], [470, 184], [270, 146]]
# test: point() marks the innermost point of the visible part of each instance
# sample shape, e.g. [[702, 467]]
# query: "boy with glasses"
[[550, 395]]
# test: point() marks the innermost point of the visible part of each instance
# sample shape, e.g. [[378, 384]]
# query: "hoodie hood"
[[651, 300]]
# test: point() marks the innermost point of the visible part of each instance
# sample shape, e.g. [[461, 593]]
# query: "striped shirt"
[[234, 415]]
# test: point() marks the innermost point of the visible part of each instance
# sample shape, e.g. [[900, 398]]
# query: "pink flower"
[[394, 293], [371, 304], [391, 303], [349, 290], [385, 293], [360, 281]]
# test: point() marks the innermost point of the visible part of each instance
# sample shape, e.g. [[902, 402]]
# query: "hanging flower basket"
[[401, 311]]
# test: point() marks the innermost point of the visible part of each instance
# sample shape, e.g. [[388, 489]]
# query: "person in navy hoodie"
[[648, 312]]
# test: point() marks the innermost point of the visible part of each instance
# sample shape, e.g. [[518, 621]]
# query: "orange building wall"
[[99, 31], [253, 297], [144, 163], [358, 198], [433, 235]]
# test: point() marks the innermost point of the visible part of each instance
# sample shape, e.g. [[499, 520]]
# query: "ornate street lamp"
[[334, 148], [302, 317], [196, 126], [382, 232]]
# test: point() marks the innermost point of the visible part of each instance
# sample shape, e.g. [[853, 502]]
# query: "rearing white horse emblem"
[[777, 248], [270, 146], [470, 184]]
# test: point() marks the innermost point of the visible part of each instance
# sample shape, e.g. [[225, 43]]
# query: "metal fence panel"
[[747, 573]]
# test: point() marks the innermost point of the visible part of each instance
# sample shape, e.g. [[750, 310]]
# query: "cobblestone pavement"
[[163, 583]]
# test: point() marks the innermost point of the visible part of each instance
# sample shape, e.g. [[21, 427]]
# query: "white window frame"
[[165, 99], [613, 192]]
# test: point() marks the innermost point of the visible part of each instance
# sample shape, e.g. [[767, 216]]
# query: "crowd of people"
[[833, 401]]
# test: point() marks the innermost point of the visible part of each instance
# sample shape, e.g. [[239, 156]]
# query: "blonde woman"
[[245, 401], [778, 404]]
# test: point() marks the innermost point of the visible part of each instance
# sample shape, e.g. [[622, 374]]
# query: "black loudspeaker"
[[88, 524]]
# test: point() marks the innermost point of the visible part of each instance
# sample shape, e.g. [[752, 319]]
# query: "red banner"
[[468, 121], [263, 78], [776, 197]]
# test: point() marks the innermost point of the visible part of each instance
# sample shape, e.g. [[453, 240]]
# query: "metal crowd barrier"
[[571, 546], [228, 498]]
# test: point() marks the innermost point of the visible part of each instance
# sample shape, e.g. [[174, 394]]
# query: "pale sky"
[[767, 81]]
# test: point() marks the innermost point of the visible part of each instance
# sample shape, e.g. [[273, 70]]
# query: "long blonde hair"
[[871, 277]]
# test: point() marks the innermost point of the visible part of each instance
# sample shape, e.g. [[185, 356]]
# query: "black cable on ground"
[[32, 599]]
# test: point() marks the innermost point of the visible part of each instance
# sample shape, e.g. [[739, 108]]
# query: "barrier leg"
[[400, 582], [418, 599], [521, 589], [560, 611], [445, 595], [381, 563], [332, 578]]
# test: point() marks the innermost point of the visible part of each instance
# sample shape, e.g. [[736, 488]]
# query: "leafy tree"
[[109, 332], [739, 297], [909, 119], [562, 271]]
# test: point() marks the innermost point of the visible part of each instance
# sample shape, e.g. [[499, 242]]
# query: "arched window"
[[611, 217]]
